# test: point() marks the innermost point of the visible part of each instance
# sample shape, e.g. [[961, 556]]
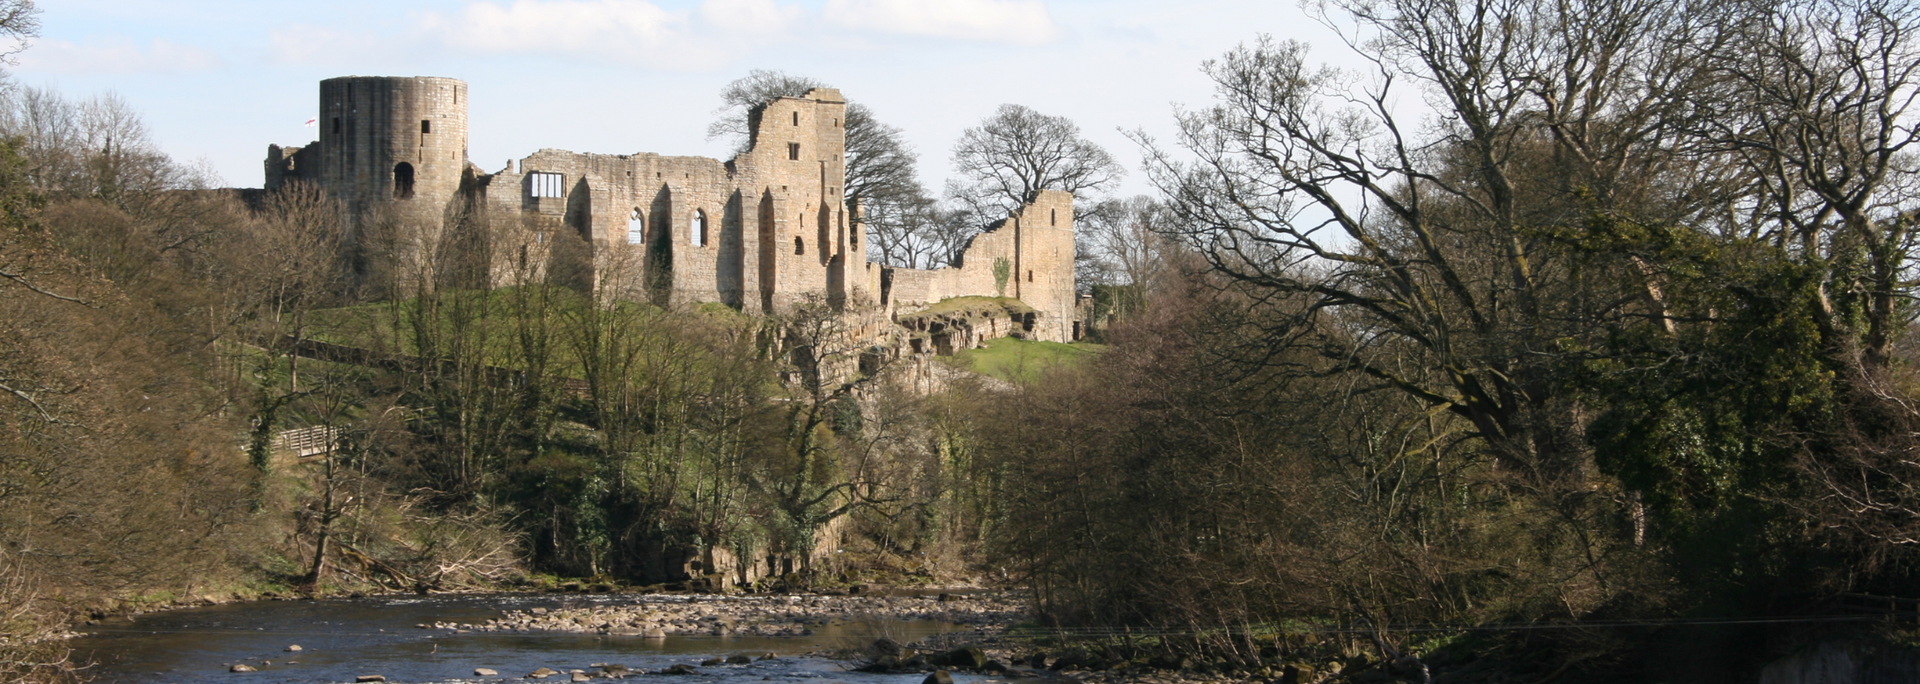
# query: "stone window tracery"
[[699, 226]]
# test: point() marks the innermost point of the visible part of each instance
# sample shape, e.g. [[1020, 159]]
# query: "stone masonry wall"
[[372, 125], [1036, 243]]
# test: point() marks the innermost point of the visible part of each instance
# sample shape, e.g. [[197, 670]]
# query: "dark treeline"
[[1617, 330]]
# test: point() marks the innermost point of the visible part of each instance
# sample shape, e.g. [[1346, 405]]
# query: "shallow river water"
[[342, 639]]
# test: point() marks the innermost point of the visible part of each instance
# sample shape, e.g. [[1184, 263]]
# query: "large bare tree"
[[1816, 103], [1018, 152]]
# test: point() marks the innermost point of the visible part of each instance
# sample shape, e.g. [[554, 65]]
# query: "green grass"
[[1023, 361], [971, 306]]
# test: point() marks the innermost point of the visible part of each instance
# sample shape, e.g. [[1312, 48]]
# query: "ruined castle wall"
[[761, 232], [288, 164], [1035, 244], [1043, 267], [758, 233], [791, 178]]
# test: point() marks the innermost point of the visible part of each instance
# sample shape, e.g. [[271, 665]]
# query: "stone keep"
[[759, 232]]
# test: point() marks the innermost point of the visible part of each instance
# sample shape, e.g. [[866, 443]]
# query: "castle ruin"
[[759, 233]]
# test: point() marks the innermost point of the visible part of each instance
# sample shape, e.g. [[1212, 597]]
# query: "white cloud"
[[115, 56], [1024, 22], [757, 17], [627, 30], [319, 44]]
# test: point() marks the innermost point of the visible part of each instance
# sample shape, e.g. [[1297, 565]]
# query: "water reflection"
[[341, 639]]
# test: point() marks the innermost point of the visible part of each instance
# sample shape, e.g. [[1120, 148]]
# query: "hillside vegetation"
[[1023, 361]]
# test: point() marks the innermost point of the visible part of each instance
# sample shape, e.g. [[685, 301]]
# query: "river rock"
[[938, 677], [541, 673], [880, 664], [370, 678], [680, 669], [739, 659], [1296, 674], [294, 648], [887, 647], [710, 662], [655, 633], [769, 656], [580, 677], [969, 657], [241, 667], [484, 672]]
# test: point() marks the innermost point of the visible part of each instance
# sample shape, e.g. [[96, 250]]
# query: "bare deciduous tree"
[[1816, 103], [1018, 152]]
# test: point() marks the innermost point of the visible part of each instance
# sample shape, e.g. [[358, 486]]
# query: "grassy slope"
[[1023, 361]]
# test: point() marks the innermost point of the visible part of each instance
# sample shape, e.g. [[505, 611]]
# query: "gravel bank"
[[798, 615]]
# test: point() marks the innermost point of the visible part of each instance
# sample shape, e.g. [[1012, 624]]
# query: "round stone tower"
[[393, 141]]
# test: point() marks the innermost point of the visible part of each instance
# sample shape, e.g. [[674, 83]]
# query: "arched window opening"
[[699, 228], [636, 227], [402, 180], [799, 246]]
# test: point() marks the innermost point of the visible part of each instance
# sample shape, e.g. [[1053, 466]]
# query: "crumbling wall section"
[[1032, 249], [288, 164]]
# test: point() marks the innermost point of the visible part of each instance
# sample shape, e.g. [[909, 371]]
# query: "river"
[[341, 639]]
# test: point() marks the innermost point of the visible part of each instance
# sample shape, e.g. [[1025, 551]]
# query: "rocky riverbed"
[[772, 616]]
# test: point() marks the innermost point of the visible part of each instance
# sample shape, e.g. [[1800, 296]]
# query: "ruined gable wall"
[[794, 205], [1043, 268]]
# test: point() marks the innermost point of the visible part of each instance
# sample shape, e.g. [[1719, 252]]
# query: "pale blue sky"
[[221, 79]]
